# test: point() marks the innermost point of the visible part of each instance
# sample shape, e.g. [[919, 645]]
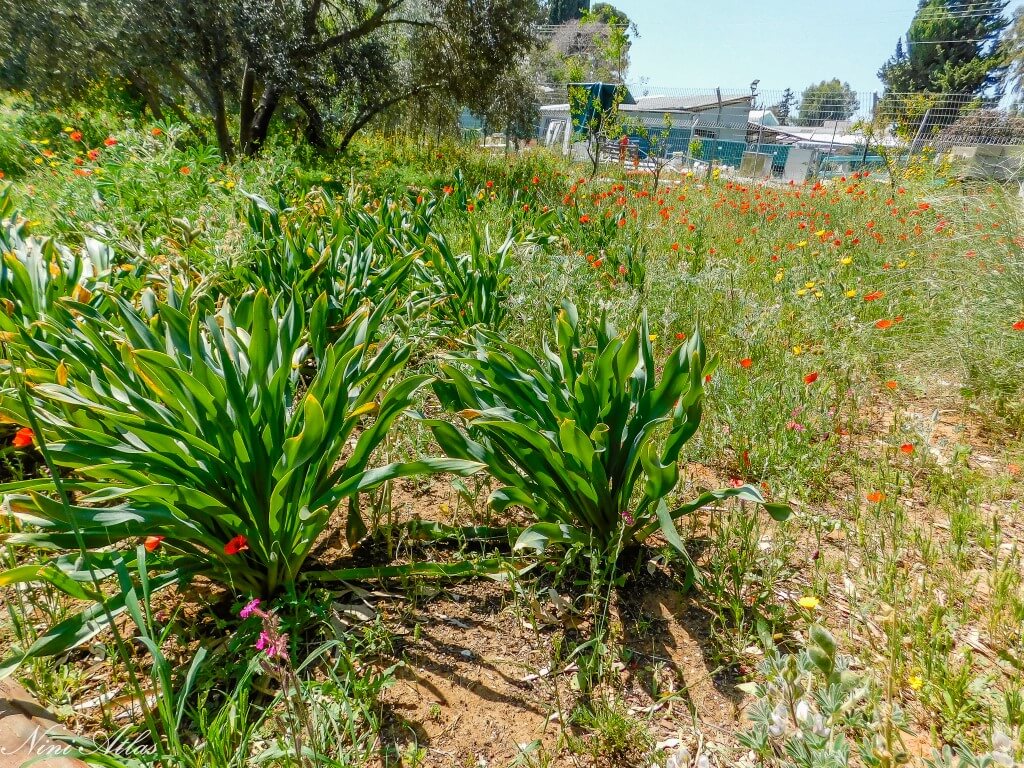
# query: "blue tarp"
[[590, 100]]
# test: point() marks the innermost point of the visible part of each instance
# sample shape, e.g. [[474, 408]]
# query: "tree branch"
[[370, 24], [370, 112]]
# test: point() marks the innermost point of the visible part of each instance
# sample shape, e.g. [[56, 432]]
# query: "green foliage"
[[807, 704], [351, 256], [828, 100], [587, 437], [953, 48], [36, 272], [471, 288]]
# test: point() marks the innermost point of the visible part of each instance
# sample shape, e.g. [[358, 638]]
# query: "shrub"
[[191, 433], [586, 437]]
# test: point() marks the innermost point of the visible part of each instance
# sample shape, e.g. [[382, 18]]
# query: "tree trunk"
[[245, 112], [314, 131], [148, 93], [261, 120], [220, 124]]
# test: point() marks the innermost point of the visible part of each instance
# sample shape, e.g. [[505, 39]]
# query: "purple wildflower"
[[250, 608]]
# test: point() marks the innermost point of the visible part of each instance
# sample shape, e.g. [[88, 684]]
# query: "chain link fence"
[[824, 131]]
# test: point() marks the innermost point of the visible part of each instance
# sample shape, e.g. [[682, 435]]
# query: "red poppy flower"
[[680, 335], [23, 438], [75, 135], [92, 154], [490, 184], [109, 141], [156, 132], [1019, 325], [584, 219], [883, 324], [470, 207], [874, 295], [236, 545], [535, 180], [875, 497], [810, 378], [907, 448], [746, 362], [152, 543]]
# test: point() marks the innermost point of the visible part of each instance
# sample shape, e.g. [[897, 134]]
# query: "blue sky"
[[784, 43]]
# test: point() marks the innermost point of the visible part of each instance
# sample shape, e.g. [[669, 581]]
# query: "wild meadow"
[[432, 456]]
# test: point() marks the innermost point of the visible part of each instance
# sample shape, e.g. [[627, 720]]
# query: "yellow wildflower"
[[851, 294], [798, 350], [916, 682], [809, 602]]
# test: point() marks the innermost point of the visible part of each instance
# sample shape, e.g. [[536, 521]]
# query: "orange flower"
[[109, 141], [75, 135], [584, 219], [236, 545], [680, 335], [874, 295], [535, 180], [23, 438], [1019, 325], [883, 324], [875, 497], [156, 132], [892, 384], [810, 378], [907, 448], [92, 154], [746, 362], [185, 170], [152, 543]]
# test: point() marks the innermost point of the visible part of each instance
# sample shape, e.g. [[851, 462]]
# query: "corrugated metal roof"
[[686, 103]]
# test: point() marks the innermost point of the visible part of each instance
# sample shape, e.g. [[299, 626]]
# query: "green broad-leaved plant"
[[37, 271], [194, 434], [345, 248], [587, 437]]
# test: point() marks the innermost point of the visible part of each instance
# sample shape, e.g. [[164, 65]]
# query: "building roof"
[[763, 116], [686, 103], [832, 135], [697, 103]]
